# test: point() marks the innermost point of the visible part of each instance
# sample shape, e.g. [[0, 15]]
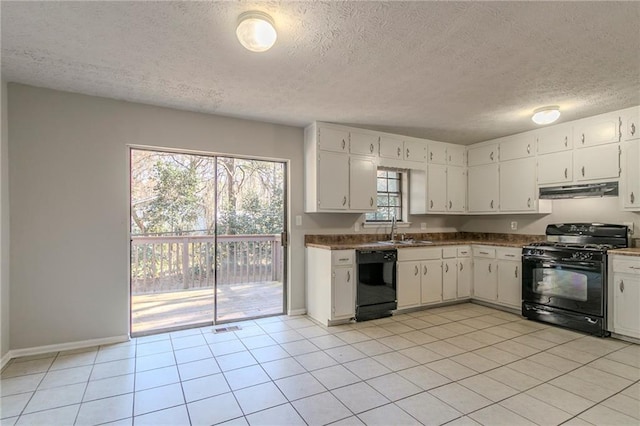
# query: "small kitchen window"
[[390, 198]]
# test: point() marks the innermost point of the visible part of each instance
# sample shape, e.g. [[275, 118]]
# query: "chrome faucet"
[[394, 228]]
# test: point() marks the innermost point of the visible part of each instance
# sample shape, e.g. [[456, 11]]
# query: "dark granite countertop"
[[630, 251]]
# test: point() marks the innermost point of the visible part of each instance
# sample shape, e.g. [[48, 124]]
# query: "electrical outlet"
[[630, 225], [298, 220], [514, 226], [423, 226]]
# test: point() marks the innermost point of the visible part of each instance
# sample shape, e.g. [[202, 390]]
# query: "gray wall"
[[4, 226]]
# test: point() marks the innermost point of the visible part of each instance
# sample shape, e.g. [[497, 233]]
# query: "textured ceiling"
[[460, 72]]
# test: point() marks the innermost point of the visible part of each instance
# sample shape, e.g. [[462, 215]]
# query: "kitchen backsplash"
[[440, 236]]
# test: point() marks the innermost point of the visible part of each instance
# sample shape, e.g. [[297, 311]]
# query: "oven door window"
[[567, 284]]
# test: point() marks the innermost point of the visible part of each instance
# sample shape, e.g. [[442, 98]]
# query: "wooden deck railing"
[[166, 263]]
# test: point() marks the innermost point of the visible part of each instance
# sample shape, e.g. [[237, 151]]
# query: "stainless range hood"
[[605, 189]]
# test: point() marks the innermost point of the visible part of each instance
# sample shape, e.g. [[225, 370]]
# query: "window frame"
[[402, 196]]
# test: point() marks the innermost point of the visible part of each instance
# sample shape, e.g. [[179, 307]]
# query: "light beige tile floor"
[[458, 365]]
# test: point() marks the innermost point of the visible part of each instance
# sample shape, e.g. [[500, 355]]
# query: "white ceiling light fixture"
[[256, 31], [546, 115]]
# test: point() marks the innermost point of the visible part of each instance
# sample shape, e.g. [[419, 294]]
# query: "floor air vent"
[[226, 329]]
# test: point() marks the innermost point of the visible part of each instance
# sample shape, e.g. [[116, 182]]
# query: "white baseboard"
[[293, 312], [37, 350]]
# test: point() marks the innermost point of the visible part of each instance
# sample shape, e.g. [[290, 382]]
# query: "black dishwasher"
[[376, 289]]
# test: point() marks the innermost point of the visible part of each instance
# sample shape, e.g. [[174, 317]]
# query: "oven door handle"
[[595, 266]]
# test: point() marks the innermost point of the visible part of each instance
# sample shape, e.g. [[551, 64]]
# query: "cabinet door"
[[437, 153], [517, 146], [408, 285], [600, 162], [456, 155], [485, 283], [518, 185], [602, 129], [343, 291], [464, 277], [632, 124], [555, 168], [483, 188], [625, 304], [362, 184], [437, 188], [449, 279], [631, 180], [431, 281], [415, 151], [363, 144], [391, 148], [509, 283], [486, 154], [456, 188], [554, 139], [333, 181], [333, 140]]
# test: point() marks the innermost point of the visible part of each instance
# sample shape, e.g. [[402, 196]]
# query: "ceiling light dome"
[[256, 31], [546, 115]]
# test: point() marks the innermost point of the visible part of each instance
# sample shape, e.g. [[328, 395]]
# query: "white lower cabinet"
[[465, 277], [449, 279], [331, 285], [431, 281], [485, 278], [408, 284], [509, 277], [625, 286]]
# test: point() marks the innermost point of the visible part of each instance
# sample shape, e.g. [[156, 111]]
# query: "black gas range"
[[564, 279]]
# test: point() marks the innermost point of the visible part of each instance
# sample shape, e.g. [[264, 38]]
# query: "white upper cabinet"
[[415, 151], [364, 144], [456, 155], [596, 163], [517, 146], [631, 119], [518, 185], [598, 130], [391, 148], [437, 188], [362, 183], [556, 168], [485, 154], [333, 179], [456, 189], [554, 139], [483, 188], [437, 153], [333, 140], [631, 176]]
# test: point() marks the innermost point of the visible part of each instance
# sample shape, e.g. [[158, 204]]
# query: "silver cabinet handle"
[[348, 276], [529, 202], [582, 171], [446, 267], [371, 202], [582, 139], [621, 286], [407, 153], [632, 198], [491, 156], [633, 129], [431, 203], [566, 141], [509, 255], [491, 204], [566, 172], [425, 270], [489, 267], [528, 148], [516, 272], [484, 252], [431, 156], [399, 152], [344, 200], [450, 204], [417, 270], [634, 267], [371, 148], [461, 266], [450, 156], [344, 143]]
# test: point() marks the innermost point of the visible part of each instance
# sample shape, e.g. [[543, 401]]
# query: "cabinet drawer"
[[342, 257], [449, 252], [509, 254], [627, 265], [487, 252], [464, 251], [408, 254]]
